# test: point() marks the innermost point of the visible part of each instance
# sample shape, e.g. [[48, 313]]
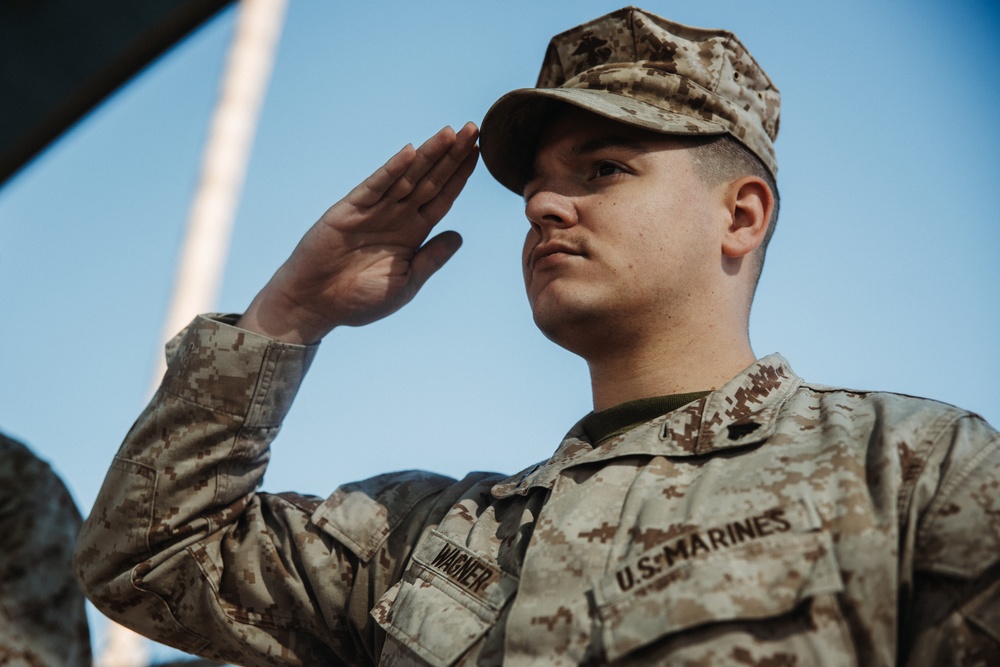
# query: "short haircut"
[[723, 158]]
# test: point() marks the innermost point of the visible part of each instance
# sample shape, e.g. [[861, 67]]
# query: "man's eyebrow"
[[596, 144]]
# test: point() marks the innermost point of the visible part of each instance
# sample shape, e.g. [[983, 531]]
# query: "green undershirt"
[[600, 426]]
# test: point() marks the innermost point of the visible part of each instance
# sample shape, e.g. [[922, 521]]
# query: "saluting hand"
[[367, 257]]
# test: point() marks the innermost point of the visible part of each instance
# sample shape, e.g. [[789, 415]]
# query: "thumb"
[[432, 256]]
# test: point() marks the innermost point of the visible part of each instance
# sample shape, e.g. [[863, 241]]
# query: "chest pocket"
[[448, 599], [762, 569]]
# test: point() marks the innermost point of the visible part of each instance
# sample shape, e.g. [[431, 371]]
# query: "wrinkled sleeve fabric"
[[181, 547], [953, 617]]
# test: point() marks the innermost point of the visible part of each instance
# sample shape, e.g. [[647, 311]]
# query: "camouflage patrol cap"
[[643, 70]]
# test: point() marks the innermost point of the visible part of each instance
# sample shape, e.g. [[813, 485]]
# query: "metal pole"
[[224, 165]]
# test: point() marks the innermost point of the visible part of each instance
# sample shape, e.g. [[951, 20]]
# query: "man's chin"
[[568, 325]]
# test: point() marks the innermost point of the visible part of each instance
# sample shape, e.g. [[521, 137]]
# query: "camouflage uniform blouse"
[[772, 522], [43, 621]]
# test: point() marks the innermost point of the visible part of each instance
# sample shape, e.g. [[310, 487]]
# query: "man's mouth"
[[542, 251]]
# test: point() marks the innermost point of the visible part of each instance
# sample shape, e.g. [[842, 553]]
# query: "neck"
[[667, 366]]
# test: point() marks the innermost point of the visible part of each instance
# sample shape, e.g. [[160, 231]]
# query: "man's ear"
[[750, 205]]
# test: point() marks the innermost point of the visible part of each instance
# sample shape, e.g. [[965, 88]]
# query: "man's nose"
[[547, 208]]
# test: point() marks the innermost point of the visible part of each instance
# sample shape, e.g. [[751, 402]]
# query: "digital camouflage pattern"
[[42, 617], [772, 522], [643, 70]]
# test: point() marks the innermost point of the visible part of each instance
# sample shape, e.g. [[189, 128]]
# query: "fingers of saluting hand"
[[433, 171], [417, 177], [435, 208]]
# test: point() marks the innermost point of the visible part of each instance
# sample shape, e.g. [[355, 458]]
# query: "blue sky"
[[883, 272]]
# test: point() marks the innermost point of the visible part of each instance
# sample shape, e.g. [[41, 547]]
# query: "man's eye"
[[608, 169]]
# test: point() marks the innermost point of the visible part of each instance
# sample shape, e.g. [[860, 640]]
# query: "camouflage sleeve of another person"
[[179, 545], [952, 613], [42, 618]]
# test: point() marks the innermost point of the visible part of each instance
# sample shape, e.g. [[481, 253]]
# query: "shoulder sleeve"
[[959, 532], [954, 617]]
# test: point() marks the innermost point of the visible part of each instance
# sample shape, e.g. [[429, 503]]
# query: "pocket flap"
[[361, 515], [758, 580], [448, 599]]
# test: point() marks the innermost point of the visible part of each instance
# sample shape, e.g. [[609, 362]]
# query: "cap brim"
[[510, 130]]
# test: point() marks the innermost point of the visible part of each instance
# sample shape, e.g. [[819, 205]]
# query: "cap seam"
[[631, 28]]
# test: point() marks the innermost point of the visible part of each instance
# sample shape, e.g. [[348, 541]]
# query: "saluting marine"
[[714, 509]]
